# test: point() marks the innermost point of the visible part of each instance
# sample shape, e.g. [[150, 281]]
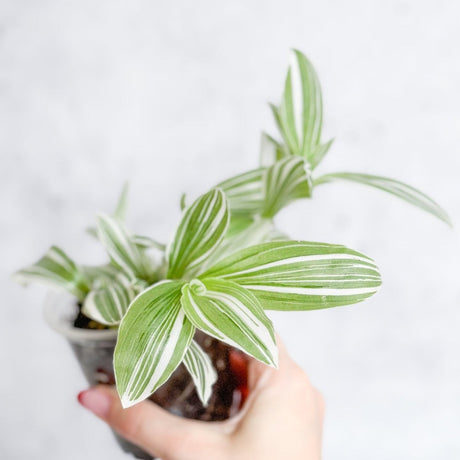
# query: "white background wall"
[[172, 95]]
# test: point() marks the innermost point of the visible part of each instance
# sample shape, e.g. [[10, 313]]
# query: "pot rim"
[[60, 310]]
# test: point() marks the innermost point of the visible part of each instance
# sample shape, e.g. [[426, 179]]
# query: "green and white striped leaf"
[[200, 367], [300, 115], [299, 275], [301, 109], [56, 269], [232, 314], [244, 192], [285, 181], [397, 188], [271, 150], [200, 231], [153, 338], [121, 247], [109, 303]]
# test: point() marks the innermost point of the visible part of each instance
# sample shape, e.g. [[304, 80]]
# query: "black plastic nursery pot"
[[94, 349]]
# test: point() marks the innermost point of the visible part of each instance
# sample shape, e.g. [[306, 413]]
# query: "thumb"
[[149, 426]]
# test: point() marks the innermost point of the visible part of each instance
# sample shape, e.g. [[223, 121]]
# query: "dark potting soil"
[[83, 322]]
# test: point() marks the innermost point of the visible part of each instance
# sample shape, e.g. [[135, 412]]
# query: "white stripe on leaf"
[[153, 338], [296, 275], [395, 187], [200, 367], [200, 231], [230, 313]]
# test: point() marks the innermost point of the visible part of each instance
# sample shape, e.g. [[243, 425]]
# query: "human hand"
[[282, 418]]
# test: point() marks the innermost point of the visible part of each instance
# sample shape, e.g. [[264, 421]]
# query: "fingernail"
[[96, 401]]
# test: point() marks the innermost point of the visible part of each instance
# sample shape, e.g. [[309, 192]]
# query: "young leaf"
[[232, 314], [289, 117], [109, 303], [298, 275], [300, 115], [99, 272], [202, 371], [200, 231], [153, 338], [319, 153], [308, 103], [122, 204], [244, 192], [145, 242], [270, 150], [284, 182], [57, 269], [397, 188], [121, 247], [301, 110], [183, 201]]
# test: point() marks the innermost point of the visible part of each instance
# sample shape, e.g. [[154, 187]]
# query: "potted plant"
[[170, 317]]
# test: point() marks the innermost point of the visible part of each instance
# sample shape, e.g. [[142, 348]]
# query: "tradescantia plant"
[[287, 166], [226, 263]]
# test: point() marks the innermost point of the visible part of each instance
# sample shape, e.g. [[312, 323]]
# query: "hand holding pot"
[[282, 418]]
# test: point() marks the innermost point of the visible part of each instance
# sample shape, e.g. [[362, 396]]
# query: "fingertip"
[[96, 401]]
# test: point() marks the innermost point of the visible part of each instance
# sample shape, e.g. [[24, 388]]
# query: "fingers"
[[149, 426]]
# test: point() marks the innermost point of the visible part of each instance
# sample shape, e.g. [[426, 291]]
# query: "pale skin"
[[281, 419]]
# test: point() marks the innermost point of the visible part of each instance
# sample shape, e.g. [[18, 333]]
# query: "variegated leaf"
[[298, 275], [244, 192], [121, 247], [200, 231], [232, 314], [56, 269], [108, 304], [202, 371], [153, 338], [285, 181], [397, 188]]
